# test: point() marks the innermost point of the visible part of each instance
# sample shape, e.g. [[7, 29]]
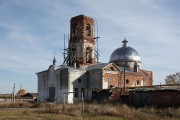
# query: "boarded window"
[[76, 92]]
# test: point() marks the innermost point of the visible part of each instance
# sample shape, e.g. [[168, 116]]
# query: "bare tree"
[[173, 78]]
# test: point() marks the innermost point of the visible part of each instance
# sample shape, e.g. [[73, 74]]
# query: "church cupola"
[[54, 60], [126, 55]]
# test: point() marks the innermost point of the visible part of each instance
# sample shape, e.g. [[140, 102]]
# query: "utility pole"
[[64, 102], [124, 79], [13, 95], [82, 98]]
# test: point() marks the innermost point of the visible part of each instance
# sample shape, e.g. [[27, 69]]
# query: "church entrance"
[[51, 94]]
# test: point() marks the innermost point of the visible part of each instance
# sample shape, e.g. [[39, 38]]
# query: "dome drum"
[[128, 64]]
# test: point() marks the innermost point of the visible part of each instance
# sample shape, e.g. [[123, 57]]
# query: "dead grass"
[[93, 111], [115, 110], [15, 104]]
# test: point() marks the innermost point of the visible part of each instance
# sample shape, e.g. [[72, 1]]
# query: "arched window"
[[88, 54], [88, 30], [127, 81], [138, 82]]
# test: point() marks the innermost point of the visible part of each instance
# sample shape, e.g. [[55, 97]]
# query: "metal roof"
[[125, 53], [97, 66]]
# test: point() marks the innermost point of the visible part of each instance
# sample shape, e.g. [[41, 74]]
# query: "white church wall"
[[77, 80], [52, 81], [47, 79], [58, 96], [42, 79]]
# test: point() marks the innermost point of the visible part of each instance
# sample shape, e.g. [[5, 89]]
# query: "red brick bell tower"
[[81, 45]]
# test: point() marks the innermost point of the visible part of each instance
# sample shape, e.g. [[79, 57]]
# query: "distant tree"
[[173, 78]]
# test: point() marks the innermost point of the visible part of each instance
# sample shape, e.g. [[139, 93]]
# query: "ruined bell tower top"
[[81, 29]]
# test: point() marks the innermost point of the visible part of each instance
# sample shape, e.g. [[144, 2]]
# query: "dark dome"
[[125, 54]]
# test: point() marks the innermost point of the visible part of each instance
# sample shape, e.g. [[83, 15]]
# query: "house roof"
[[30, 95]]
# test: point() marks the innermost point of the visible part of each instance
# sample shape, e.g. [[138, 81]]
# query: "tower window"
[[88, 55], [88, 29]]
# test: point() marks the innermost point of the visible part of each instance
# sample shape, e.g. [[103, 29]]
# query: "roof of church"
[[120, 68], [67, 67], [56, 67], [97, 66], [102, 65]]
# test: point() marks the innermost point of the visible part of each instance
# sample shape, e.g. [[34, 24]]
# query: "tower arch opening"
[[88, 55], [88, 29]]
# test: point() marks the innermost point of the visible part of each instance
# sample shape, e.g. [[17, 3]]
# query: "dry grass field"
[[44, 111]]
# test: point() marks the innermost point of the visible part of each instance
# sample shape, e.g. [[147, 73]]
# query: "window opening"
[[88, 55], [112, 69], [127, 81], [79, 80], [83, 92], [138, 82], [88, 29], [76, 92]]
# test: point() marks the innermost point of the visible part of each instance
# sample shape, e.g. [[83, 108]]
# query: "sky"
[[32, 30]]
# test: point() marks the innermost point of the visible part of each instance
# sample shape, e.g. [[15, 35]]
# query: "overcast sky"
[[32, 30]]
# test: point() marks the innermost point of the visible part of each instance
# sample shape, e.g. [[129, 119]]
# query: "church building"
[[81, 71]]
